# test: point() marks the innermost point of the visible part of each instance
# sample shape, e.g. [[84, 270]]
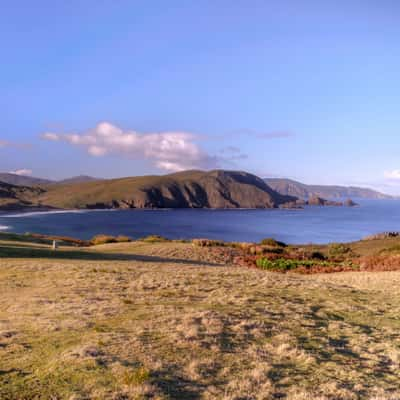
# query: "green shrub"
[[280, 264], [283, 264], [339, 250]]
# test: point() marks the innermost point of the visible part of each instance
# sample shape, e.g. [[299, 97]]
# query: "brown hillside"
[[188, 189]]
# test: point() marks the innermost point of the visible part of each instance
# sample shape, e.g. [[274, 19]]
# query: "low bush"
[[103, 239], [317, 255], [257, 250], [123, 239], [207, 243], [339, 250], [283, 264], [154, 239], [272, 242]]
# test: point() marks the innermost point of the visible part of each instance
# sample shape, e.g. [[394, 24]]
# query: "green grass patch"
[[283, 264]]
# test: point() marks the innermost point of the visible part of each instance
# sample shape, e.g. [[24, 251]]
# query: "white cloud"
[[22, 172], [170, 151], [392, 175]]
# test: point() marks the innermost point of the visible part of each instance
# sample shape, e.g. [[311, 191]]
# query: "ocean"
[[310, 225]]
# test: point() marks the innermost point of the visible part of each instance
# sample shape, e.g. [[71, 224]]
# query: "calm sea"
[[313, 224]]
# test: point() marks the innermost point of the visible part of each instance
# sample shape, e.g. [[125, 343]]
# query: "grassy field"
[[169, 321]]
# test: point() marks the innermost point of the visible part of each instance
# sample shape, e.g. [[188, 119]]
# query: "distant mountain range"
[[290, 187], [187, 189]]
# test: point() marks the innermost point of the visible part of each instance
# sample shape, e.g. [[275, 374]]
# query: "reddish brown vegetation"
[[333, 258], [380, 263]]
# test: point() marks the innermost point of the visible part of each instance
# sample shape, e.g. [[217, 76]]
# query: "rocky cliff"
[[17, 197]]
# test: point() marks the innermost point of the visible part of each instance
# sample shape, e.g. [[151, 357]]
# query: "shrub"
[[276, 250], [339, 250], [154, 239], [103, 239], [123, 239], [280, 264], [317, 255], [283, 264], [272, 242], [207, 243]]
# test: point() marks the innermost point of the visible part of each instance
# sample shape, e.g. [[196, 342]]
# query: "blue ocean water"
[[310, 225]]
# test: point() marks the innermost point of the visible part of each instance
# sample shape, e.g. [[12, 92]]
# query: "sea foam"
[[39, 213]]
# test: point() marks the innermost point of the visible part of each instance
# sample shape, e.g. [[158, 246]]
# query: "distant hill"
[[188, 189], [303, 191], [22, 180], [77, 179]]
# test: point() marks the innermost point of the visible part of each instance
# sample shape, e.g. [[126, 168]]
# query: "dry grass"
[[166, 322]]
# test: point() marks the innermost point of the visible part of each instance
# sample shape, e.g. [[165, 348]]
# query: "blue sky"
[[302, 89]]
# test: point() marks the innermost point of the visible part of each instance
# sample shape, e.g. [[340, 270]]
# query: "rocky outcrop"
[[319, 201], [350, 203], [382, 235], [14, 197]]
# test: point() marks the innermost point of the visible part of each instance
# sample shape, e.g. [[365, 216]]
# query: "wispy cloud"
[[169, 151], [6, 143], [260, 134], [231, 154], [22, 172]]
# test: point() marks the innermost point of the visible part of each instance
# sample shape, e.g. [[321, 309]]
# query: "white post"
[[55, 245]]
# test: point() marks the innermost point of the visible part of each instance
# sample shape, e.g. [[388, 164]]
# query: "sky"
[[303, 89]]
